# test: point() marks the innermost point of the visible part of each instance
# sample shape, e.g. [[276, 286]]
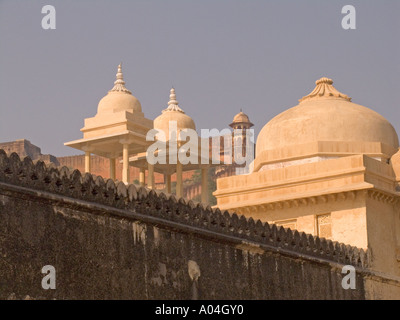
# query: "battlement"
[[168, 212]]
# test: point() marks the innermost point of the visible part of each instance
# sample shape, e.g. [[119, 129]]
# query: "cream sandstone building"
[[175, 118], [327, 167], [120, 129]]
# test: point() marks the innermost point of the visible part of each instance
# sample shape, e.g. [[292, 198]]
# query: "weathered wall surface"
[[113, 242], [100, 257]]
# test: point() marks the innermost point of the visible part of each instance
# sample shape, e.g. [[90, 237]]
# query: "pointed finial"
[[173, 103], [119, 84], [172, 97]]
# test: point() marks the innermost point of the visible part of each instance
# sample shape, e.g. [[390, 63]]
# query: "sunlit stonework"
[[328, 167]]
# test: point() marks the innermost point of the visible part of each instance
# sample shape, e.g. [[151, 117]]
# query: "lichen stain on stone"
[[193, 270], [220, 254], [161, 277], [249, 247], [156, 281], [124, 224], [59, 211], [65, 212], [4, 200], [139, 233], [156, 236]]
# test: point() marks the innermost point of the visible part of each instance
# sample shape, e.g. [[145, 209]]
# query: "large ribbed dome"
[[326, 115], [119, 98], [173, 113]]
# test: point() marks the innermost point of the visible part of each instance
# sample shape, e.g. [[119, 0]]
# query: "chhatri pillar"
[[179, 181], [112, 168], [125, 161], [150, 176], [87, 162], [204, 185], [167, 179], [142, 177]]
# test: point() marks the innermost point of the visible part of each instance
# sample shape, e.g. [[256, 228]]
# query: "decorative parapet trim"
[[383, 196], [159, 208], [300, 201]]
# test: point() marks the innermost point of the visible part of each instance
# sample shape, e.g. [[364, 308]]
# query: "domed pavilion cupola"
[[118, 129], [173, 113], [325, 124], [119, 98], [170, 117], [241, 121]]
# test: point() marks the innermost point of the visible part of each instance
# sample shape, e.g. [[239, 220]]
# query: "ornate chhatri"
[[118, 129]]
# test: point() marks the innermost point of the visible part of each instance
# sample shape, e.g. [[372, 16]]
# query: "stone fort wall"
[[109, 241], [24, 148], [100, 166]]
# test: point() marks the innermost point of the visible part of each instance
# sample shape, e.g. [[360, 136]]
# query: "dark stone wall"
[[113, 242], [101, 257]]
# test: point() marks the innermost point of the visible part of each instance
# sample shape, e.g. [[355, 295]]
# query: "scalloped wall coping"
[[105, 197]]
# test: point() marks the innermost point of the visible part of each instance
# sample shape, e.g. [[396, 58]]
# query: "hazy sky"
[[220, 55]]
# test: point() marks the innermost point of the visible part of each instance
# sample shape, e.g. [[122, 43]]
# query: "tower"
[[240, 124]]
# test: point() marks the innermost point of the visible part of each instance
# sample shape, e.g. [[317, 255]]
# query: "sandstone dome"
[[325, 115], [119, 98], [173, 113]]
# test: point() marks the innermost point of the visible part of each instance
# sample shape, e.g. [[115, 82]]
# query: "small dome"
[[119, 98], [241, 118], [173, 113], [325, 115]]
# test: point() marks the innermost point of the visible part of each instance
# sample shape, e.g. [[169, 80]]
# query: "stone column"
[[112, 168], [87, 162], [167, 179], [204, 185], [150, 176], [179, 182], [142, 177], [125, 163]]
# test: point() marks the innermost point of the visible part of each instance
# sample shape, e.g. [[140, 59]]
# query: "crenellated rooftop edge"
[[166, 211]]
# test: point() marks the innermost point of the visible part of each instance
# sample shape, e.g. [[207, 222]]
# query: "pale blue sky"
[[221, 55]]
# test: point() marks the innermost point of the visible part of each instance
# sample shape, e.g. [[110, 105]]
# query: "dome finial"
[[172, 97], [325, 89], [173, 103], [119, 84]]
